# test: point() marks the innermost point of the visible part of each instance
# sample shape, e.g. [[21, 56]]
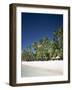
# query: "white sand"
[[54, 65], [35, 68]]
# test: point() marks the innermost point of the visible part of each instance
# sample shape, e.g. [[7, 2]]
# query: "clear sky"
[[36, 26]]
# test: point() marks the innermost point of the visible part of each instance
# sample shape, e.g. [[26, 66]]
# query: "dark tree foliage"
[[45, 49]]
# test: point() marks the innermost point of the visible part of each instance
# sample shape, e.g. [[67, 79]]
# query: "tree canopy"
[[45, 48]]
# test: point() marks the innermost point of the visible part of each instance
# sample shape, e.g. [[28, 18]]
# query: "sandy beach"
[[41, 68]]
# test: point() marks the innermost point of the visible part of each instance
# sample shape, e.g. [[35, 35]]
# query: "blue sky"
[[36, 26]]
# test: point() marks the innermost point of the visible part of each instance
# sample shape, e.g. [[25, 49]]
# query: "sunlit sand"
[[41, 68]]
